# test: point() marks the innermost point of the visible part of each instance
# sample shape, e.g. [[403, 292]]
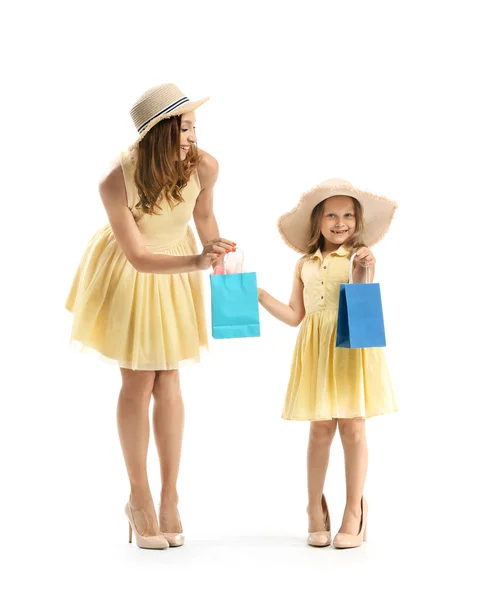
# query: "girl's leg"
[[133, 427], [352, 433], [321, 436], [168, 421]]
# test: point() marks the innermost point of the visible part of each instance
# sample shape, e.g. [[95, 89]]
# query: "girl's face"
[[188, 133], [338, 222]]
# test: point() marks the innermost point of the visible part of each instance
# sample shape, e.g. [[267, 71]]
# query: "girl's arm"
[[292, 313]]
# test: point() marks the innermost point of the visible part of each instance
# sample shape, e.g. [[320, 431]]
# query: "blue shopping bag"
[[360, 316], [234, 306]]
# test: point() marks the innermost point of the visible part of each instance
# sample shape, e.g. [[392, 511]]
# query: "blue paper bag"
[[234, 306], [360, 316]]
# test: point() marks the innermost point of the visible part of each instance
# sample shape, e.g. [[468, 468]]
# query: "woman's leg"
[[352, 433], [321, 436], [168, 421], [133, 427]]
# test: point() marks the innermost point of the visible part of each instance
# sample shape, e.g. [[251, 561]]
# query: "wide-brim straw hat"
[[378, 212], [158, 103]]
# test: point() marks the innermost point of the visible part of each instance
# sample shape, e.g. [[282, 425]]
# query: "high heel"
[[174, 539], [345, 540], [321, 539], [150, 542]]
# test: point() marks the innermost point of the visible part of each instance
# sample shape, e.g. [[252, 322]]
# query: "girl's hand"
[[261, 294], [364, 257]]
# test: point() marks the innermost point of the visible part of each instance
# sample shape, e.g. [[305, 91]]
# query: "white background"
[[384, 94]]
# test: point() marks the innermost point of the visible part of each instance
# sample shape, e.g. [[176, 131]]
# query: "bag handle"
[[367, 270], [233, 262]]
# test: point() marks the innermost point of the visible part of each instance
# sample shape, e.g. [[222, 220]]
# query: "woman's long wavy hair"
[[317, 239], [160, 172]]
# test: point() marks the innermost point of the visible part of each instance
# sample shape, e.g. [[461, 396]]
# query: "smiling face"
[[338, 221], [188, 133]]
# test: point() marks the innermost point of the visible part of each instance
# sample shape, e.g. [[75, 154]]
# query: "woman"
[[137, 296]]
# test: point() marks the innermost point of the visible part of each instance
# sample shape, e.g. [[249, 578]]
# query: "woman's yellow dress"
[[141, 320]]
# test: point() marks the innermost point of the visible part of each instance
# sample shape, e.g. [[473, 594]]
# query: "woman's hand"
[[261, 294], [364, 257], [212, 251]]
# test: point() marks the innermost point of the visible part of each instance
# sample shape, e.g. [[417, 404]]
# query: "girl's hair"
[[157, 173], [317, 239]]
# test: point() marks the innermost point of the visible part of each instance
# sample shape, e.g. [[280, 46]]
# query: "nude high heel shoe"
[[151, 542], [345, 540], [174, 539], [322, 538]]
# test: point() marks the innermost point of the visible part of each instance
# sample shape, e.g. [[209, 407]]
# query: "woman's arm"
[[114, 197], [292, 313], [204, 219], [203, 214]]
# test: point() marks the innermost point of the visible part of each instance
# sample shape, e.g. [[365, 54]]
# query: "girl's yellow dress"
[[327, 382], [141, 320]]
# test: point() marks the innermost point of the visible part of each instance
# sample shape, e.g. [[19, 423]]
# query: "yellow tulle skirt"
[[327, 382], [143, 321]]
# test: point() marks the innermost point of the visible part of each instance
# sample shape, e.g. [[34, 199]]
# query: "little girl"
[[332, 386]]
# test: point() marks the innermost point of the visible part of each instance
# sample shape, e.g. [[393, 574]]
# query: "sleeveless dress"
[[144, 321], [327, 382]]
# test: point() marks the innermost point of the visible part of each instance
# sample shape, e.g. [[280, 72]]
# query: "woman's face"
[[188, 133], [338, 222]]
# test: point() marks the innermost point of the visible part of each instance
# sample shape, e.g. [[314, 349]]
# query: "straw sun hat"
[[378, 212], [158, 103]]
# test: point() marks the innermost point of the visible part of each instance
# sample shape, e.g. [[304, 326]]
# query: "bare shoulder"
[[111, 184], [113, 168], [208, 166], [300, 263]]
